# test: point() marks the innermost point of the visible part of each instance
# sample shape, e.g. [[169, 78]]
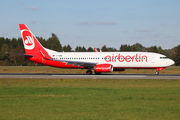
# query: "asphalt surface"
[[84, 76]]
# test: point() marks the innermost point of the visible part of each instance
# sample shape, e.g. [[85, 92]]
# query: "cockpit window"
[[163, 57]]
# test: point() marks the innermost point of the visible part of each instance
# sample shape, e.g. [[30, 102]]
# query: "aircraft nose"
[[171, 62]]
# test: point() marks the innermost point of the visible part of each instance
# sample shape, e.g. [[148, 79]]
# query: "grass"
[[89, 99], [46, 69]]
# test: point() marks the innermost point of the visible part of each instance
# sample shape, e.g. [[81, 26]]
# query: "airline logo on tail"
[[28, 39]]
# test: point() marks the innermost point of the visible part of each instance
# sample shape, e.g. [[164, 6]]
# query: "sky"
[[94, 23]]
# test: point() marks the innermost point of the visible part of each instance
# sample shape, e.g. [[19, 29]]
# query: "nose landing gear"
[[157, 73], [158, 69]]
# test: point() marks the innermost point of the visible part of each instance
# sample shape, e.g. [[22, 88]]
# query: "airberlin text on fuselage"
[[128, 58]]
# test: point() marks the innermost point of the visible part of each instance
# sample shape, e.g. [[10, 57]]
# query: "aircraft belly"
[[138, 64]]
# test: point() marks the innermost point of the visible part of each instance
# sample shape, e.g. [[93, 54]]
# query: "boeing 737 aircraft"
[[97, 61]]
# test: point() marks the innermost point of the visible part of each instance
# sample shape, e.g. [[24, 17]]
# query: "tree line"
[[16, 46]]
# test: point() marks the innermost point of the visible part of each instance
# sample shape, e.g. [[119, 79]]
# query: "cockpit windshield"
[[163, 57]]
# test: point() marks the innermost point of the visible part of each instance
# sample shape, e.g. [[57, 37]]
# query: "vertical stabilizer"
[[31, 44]]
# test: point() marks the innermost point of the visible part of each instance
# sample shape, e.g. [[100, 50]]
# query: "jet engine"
[[103, 68]]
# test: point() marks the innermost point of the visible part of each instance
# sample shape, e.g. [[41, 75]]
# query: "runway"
[[84, 76]]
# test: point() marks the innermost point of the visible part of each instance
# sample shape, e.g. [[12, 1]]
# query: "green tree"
[[16, 59], [138, 47], [104, 48], [90, 49], [177, 56], [110, 49], [42, 41], [2, 40], [152, 49], [64, 48], [78, 49], [83, 49], [67, 48], [125, 48], [53, 43], [4, 55], [14, 43], [98, 49], [20, 42]]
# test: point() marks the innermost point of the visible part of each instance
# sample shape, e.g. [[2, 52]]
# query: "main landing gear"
[[89, 72]]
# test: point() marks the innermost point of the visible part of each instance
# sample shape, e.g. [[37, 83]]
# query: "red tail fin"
[[31, 44], [95, 50]]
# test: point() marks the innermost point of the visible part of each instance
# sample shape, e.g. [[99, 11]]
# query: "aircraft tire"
[[157, 73], [89, 72]]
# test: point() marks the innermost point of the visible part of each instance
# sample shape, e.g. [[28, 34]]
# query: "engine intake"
[[104, 68]]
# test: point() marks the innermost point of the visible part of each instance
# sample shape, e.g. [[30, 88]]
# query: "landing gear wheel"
[[89, 72], [157, 73]]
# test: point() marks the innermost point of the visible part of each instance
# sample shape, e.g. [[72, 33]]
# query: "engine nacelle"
[[103, 68]]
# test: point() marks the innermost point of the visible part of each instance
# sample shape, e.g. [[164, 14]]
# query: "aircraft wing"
[[79, 63]]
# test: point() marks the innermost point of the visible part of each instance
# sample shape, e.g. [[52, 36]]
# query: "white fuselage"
[[117, 59]]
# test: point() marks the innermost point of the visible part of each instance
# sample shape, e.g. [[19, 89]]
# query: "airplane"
[[97, 61]]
